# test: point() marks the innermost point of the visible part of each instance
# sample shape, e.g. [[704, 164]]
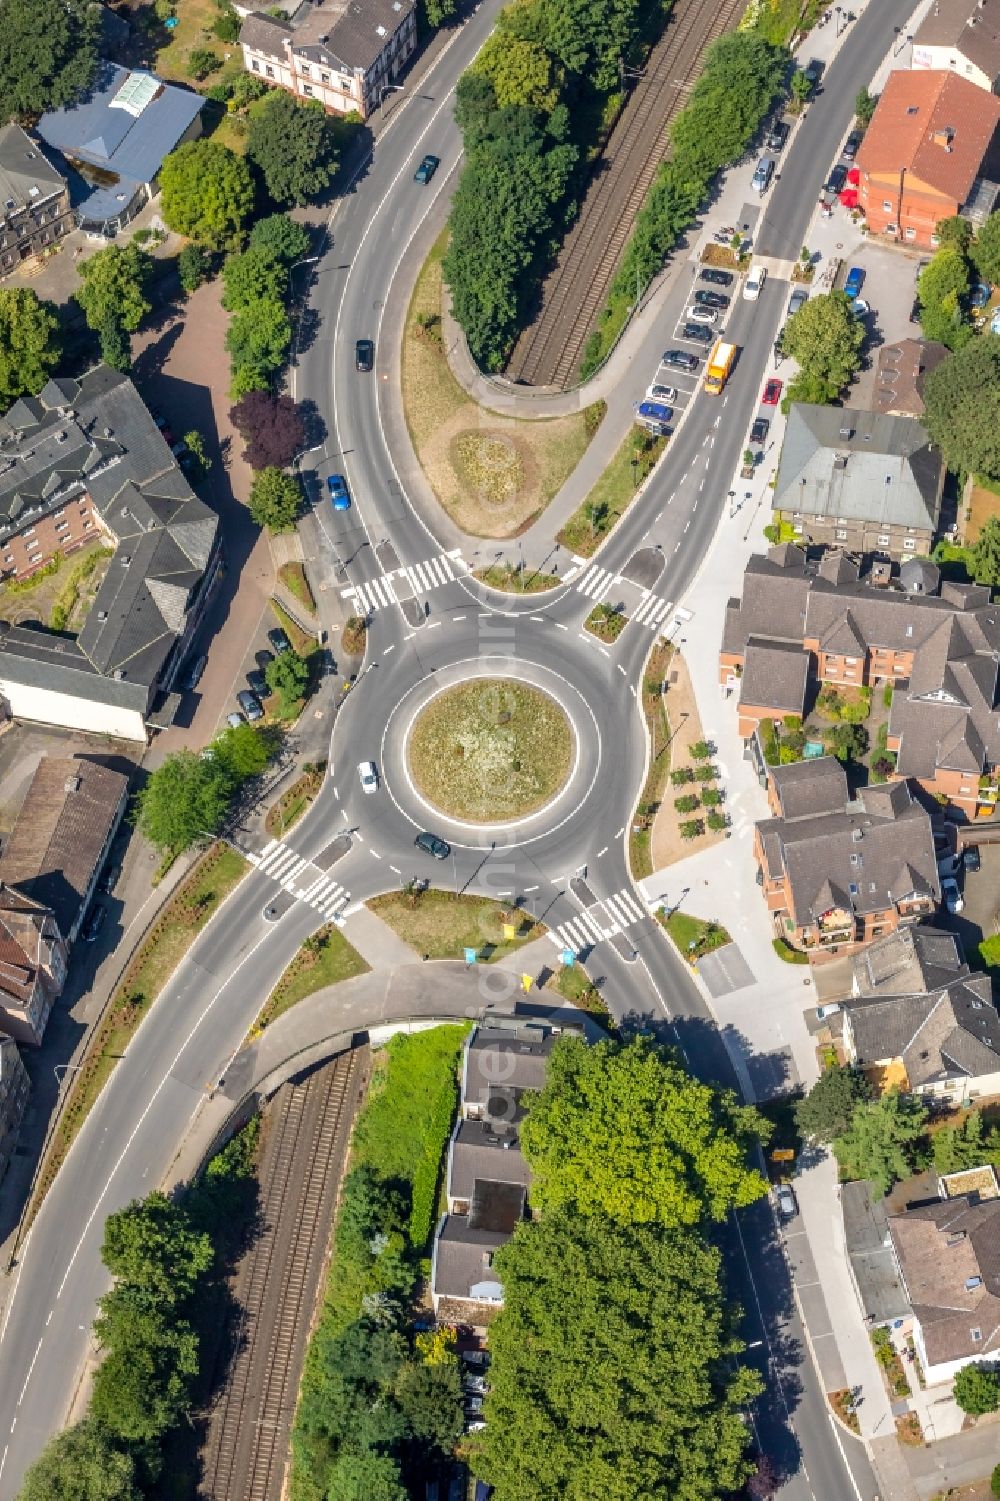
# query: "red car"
[[772, 393]]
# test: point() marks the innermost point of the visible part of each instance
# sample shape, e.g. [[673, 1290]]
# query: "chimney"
[[71, 784], [944, 137]]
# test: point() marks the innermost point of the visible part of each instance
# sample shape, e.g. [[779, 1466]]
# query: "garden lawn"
[[293, 576], [324, 960], [443, 924], [686, 930]]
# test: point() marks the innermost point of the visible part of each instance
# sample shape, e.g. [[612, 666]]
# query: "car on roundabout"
[[368, 773], [431, 844]]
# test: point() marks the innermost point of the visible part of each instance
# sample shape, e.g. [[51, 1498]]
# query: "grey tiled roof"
[[479, 1154], [909, 961], [26, 174], [350, 33], [775, 674], [504, 1062], [265, 34], [872, 1262], [463, 1261], [937, 1035], [949, 1255], [972, 27], [810, 787]]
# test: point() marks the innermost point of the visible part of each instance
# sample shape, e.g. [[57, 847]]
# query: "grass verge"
[[294, 801], [572, 982], [838, 1401], [324, 959], [654, 708], [612, 495], [354, 636], [785, 952], [443, 924], [216, 875], [515, 580], [293, 576], [606, 623], [301, 641], [694, 936]]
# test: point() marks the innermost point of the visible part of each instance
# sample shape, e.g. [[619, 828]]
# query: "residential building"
[[112, 141], [35, 211], [32, 965], [858, 480], [800, 623], [14, 1089], [839, 873], [870, 1257], [931, 151], [962, 36], [84, 461], [900, 373], [62, 836], [347, 54], [946, 1255]]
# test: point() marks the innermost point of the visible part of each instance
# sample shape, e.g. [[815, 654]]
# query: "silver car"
[[787, 1207]]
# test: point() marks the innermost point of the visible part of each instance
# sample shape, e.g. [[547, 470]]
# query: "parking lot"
[[671, 385]]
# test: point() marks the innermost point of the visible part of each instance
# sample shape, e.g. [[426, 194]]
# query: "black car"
[[679, 359], [759, 431], [698, 333], [851, 145], [426, 170], [109, 879], [279, 640], [257, 683], [711, 299], [364, 356], [716, 277], [971, 859], [814, 72], [192, 676], [777, 135], [94, 924], [836, 179], [432, 845]]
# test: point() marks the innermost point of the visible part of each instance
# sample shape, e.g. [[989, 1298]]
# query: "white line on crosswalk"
[[590, 923], [595, 582]]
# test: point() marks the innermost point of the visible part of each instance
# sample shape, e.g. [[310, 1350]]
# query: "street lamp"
[[901, 40], [838, 12], [387, 88]]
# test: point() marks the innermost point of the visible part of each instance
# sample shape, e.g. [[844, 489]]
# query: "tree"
[[185, 799], [116, 346], [152, 1245], [292, 143], [521, 71], [962, 408], [631, 1395], [143, 1384], [825, 338], [957, 1147], [864, 107], [206, 193], [257, 340], [288, 676], [986, 553], [801, 86], [275, 498], [942, 289], [242, 750], [48, 53], [977, 1389], [848, 742], [253, 277], [880, 1142], [986, 250], [81, 1463], [622, 1130], [197, 453], [114, 286], [995, 1481], [954, 233], [827, 1110], [366, 1477], [272, 426], [194, 265], [430, 1397], [765, 1479], [29, 343], [281, 237]]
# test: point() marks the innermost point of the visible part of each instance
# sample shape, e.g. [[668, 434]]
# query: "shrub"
[[681, 776], [711, 797], [202, 62], [977, 1389], [227, 25], [686, 804], [717, 821], [787, 953], [995, 1481], [702, 750], [691, 829], [706, 772]]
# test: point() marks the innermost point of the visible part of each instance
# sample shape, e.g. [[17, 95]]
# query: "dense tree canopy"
[[206, 193], [272, 426], [29, 343], [283, 238], [986, 553], [288, 676], [142, 1385], [48, 53], [242, 750], [251, 277], [185, 799], [292, 143], [882, 1139], [624, 1131], [520, 71], [962, 408], [825, 338], [977, 1388], [81, 1463], [828, 1109], [152, 1244], [986, 250], [257, 339], [114, 283], [943, 289], [275, 499]]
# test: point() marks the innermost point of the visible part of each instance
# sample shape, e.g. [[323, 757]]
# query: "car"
[[432, 845], [474, 1405], [950, 895], [250, 704], [772, 392], [814, 72], [426, 170], [235, 719], [258, 683], [337, 486], [860, 308], [364, 355], [717, 278], [277, 638], [777, 135], [763, 172], [192, 676], [477, 1384], [179, 449], [949, 864], [369, 776], [981, 294], [475, 1425], [109, 879], [787, 1207], [851, 145], [679, 359], [95, 923], [711, 299], [654, 414], [798, 300], [756, 278], [836, 179], [855, 281], [661, 393], [971, 858], [760, 429], [830, 1009], [699, 314], [263, 659], [697, 333], [475, 1357]]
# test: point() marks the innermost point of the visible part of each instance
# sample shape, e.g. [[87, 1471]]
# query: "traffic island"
[[450, 924]]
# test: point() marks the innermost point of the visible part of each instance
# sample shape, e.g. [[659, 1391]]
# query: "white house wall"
[[950, 60], [45, 706]]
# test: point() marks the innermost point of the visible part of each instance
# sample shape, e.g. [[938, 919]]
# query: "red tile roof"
[[933, 124]]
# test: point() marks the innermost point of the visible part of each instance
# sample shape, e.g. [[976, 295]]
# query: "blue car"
[[855, 281], [337, 486]]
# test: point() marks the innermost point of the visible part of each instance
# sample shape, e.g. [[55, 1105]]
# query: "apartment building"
[[32, 965], [963, 37], [35, 209], [14, 1090]]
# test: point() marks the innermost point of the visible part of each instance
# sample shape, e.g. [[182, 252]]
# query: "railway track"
[[548, 352], [304, 1150]]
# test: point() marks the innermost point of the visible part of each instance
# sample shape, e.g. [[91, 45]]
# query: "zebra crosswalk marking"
[[430, 573], [651, 610], [596, 582], [585, 931], [287, 868]]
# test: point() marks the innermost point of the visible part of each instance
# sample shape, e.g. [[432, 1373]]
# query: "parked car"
[[109, 879], [851, 145], [798, 299], [235, 719], [949, 864], [772, 392], [951, 896], [700, 314], [250, 704], [477, 1384], [192, 677], [475, 1357], [432, 845], [971, 858], [95, 922], [814, 72], [475, 1425], [426, 170], [787, 1206], [364, 355], [836, 179], [474, 1404], [716, 277], [279, 640], [257, 683], [754, 282], [337, 486], [763, 172], [830, 1009], [369, 776], [855, 281], [711, 299], [679, 359], [759, 431], [981, 294], [697, 333], [661, 393], [777, 136]]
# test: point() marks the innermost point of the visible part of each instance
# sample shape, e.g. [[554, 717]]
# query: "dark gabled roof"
[[26, 175], [971, 27], [481, 1154], [775, 674], [349, 34], [910, 961], [501, 1062], [901, 372], [265, 34], [805, 788], [463, 1260], [936, 1035], [949, 1255]]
